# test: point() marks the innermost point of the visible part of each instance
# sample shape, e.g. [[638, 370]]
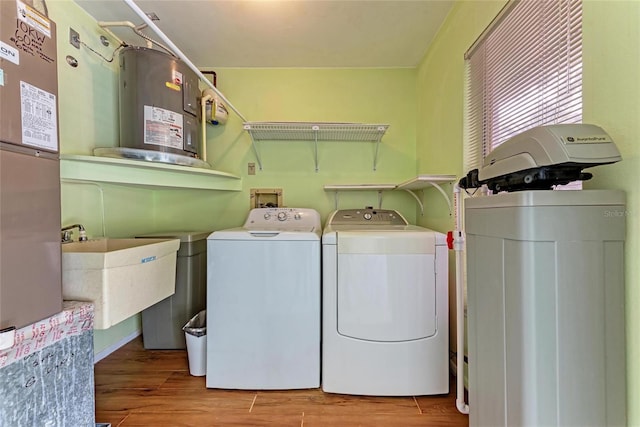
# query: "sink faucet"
[[66, 233]]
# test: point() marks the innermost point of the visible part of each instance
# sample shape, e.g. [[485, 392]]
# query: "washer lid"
[[264, 235]]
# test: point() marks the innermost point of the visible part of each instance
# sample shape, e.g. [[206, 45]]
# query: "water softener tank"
[[545, 280], [159, 103]]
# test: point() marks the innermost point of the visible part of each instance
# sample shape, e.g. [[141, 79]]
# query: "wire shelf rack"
[[307, 131], [315, 131]]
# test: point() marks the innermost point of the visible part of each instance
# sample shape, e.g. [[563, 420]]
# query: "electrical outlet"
[[74, 38], [251, 169]]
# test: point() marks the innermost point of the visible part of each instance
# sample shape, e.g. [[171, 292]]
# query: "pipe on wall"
[[181, 55]]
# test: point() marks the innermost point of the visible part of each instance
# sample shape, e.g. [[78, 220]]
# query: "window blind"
[[524, 71]]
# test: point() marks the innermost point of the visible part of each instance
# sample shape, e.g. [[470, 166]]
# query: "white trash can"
[[196, 336]]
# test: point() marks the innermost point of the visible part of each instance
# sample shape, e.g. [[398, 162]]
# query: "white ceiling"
[[287, 33]]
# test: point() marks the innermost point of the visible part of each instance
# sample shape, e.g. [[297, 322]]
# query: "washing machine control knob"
[[368, 216], [297, 216], [267, 216], [282, 216]]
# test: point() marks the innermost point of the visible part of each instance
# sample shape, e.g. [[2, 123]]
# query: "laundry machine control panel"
[[283, 218], [367, 216]]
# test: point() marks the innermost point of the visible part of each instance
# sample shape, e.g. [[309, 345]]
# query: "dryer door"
[[386, 285]]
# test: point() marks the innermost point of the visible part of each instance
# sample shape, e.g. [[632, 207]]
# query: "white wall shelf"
[[142, 173], [309, 131], [424, 181], [411, 186], [360, 187]]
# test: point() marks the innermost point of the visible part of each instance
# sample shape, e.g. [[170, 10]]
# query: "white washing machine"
[[263, 302], [385, 306]]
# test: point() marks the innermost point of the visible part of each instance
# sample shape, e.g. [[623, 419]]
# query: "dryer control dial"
[[367, 216], [267, 216], [282, 216]]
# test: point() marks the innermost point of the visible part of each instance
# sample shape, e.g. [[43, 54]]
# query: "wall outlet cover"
[[74, 38]]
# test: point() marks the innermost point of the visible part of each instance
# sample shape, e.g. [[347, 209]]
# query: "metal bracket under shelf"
[[423, 181], [418, 183], [307, 131]]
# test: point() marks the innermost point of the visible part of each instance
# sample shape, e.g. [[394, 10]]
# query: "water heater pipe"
[[458, 246], [181, 55], [136, 29], [203, 106]]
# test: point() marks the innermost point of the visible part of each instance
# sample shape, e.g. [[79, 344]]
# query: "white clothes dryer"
[[385, 306], [263, 302]]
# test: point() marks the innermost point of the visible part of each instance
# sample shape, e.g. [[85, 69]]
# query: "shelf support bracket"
[[444, 194], [381, 131], [421, 204], [315, 130], [418, 200], [255, 146]]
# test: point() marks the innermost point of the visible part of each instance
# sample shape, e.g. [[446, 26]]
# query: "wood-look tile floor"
[[138, 387]]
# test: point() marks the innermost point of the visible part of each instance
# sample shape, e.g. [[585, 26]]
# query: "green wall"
[[89, 119], [439, 128], [611, 100], [325, 95], [423, 105]]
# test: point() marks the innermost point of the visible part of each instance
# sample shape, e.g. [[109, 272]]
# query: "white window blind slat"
[[524, 71]]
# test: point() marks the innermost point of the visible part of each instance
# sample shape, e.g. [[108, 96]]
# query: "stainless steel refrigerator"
[[30, 252]]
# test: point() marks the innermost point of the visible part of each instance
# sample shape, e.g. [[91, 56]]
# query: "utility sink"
[[121, 277]]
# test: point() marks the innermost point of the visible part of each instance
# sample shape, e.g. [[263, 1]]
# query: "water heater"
[[159, 103]]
